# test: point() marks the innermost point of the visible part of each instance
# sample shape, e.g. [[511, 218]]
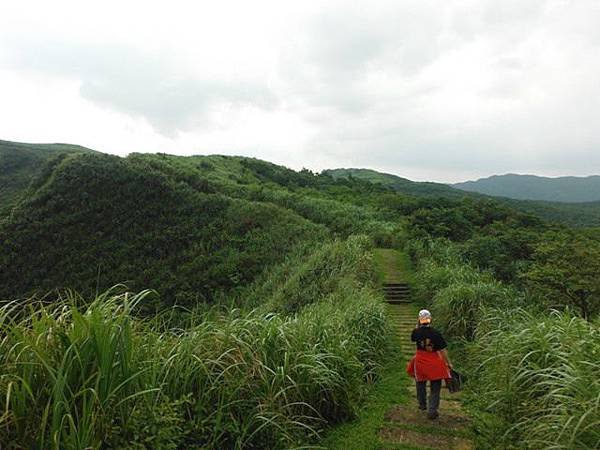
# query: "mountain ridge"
[[565, 189]]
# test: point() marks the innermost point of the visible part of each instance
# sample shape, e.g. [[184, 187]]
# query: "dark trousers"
[[434, 395]]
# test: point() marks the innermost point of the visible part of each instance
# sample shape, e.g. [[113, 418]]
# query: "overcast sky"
[[429, 90]]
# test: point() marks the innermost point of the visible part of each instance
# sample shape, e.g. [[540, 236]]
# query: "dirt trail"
[[404, 426]]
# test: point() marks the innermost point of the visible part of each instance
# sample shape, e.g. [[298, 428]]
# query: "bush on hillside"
[[565, 271]]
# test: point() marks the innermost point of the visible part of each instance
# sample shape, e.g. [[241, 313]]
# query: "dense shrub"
[[565, 271]]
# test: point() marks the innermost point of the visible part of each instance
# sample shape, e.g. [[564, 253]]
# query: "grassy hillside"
[[531, 187], [20, 162], [577, 215], [197, 229], [284, 326], [95, 220]]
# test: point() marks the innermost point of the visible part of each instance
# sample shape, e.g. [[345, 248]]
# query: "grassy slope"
[[230, 379], [572, 214], [95, 220], [20, 162], [194, 228]]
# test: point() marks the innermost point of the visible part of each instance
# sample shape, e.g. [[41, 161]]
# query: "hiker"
[[430, 363]]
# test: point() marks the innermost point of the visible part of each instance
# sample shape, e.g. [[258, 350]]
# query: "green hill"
[[202, 227], [571, 214], [531, 187], [20, 162], [400, 184], [94, 220]]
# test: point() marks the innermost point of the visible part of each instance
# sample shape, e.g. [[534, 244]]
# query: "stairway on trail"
[[404, 424], [396, 293]]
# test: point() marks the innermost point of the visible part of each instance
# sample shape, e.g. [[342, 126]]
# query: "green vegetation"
[[78, 376], [533, 371], [257, 321], [98, 220], [531, 187], [399, 184], [362, 433], [565, 271], [538, 380], [20, 162]]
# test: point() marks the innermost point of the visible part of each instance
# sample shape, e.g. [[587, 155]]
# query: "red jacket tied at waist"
[[427, 366]]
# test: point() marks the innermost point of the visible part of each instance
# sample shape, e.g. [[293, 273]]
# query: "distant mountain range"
[[578, 214], [532, 187]]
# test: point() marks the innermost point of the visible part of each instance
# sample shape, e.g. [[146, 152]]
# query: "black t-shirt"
[[428, 339]]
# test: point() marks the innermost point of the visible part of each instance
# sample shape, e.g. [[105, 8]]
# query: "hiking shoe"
[[432, 415]]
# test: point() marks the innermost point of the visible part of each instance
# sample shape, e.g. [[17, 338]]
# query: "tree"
[[566, 269]]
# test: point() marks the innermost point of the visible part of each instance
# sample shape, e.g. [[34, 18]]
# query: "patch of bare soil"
[[450, 417], [416, 439]]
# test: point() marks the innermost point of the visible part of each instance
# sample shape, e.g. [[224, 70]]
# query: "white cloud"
[[426, 89]]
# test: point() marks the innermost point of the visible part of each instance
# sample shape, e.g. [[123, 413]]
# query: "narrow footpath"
[[391, 419]]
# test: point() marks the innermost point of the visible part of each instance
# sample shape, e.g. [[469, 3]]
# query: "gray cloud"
[[331, 60], [517, 94], [142, 84]]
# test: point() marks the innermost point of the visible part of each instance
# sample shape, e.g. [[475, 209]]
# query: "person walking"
[[430, 363]]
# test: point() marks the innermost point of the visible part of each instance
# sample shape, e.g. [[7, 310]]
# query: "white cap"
[[424, 316]]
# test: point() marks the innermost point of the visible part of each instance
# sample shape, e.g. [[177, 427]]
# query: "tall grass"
[[539, 381], [458, 308], [65, 368], [311, 276], [82, 375]]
